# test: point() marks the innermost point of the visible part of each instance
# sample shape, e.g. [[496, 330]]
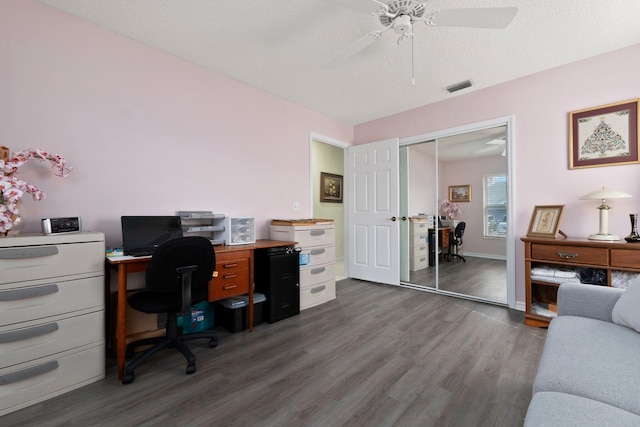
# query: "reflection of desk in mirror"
[[444, 234]]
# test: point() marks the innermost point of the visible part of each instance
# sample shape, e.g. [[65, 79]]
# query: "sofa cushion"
[[626, 312], [593, 359], [560, 409]]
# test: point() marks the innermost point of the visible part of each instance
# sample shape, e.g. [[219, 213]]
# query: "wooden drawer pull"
[[235, 264], [567, 255], [229, 287], [230, 276]]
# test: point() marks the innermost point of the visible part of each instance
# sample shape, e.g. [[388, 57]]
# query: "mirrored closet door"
[[454, 193]]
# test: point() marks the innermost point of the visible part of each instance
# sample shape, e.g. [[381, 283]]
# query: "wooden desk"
[[444, 235], [238, 257]]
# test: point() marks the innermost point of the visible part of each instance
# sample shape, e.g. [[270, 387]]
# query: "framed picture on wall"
[[545, 221], [459, 193], [331, 187], [604, 136]]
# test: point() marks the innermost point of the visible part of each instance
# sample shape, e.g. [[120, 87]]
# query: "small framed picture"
[[330, 187], [545, 221], [604, 136], [459, 193]]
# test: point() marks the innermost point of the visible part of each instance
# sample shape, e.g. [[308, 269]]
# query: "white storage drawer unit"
[[418, 246], [317, 244], [51, 316], [240, 230]]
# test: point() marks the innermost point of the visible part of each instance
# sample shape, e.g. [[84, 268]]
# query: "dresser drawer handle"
[[317, 232], [230, 276], [229, 287], [36, 291], [422, 248], [318, 251], [318, 270], [25, 374], [318, 289], [25, 334], [34, 252], [567, 255], [235, 264]]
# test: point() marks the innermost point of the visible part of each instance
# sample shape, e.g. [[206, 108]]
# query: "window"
[[495, 205]]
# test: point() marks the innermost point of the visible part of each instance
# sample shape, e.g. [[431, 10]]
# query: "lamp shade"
[[605, 194]]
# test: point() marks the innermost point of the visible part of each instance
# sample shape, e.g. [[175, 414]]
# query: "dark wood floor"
[[477, 277], [376, 356]]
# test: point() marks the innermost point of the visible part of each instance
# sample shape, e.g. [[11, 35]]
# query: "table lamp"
[[603, 195]]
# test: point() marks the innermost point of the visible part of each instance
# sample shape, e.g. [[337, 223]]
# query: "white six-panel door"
[[372, 213]]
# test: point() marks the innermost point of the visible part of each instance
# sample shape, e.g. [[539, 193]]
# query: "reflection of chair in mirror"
[[456, 241]]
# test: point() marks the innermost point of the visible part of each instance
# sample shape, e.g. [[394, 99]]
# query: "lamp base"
[[604, 237]]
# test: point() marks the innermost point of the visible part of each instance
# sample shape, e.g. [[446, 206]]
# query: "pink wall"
[[540, 104], [147, 133]]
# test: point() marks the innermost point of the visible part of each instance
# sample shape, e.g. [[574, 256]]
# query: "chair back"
[[163, 275], [459, 232]]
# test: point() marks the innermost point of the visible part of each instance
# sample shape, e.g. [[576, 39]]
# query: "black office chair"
[[177, 278], [455, 242]]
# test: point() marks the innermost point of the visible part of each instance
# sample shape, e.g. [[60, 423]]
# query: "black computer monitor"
[[141, 235]]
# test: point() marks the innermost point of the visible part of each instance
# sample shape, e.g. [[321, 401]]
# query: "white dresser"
[[316, 240], [52, 334], [418, 246]]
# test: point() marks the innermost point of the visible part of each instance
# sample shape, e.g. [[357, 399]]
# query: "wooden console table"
[[541, 294], [234, 265]]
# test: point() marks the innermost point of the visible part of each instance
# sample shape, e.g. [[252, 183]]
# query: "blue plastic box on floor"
[[199, 318]]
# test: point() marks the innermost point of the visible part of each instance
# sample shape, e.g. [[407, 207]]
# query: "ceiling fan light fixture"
[[459, 86]]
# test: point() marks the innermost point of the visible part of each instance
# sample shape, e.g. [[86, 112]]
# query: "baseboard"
[[521, 306], [487, 256]]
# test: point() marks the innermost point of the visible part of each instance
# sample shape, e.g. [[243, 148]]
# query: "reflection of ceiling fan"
[[402, 14]]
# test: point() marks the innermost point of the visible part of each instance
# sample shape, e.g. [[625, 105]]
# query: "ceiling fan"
[[401, 15]]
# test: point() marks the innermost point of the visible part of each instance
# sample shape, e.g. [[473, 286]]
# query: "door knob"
[[393, 218], [404, 218]]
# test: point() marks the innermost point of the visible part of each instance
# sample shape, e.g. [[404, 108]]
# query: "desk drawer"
[[626, 258], [570, 254], [49, 337], [52, 298], [233, 275]]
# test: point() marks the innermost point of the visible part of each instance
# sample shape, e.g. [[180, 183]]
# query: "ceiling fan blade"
[[366, 6], [490, 17], [351, 50]]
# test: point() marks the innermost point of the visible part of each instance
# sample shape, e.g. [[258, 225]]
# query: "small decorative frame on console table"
[[330, 187], [604, 136], [545, 221]]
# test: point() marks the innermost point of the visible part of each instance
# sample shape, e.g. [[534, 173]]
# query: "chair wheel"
[[213, 342], [127, 378], [191, 368]]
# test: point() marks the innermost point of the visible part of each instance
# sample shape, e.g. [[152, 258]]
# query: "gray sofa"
[[589, 372]]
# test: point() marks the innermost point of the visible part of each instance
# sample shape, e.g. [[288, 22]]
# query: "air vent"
[[458, 86]]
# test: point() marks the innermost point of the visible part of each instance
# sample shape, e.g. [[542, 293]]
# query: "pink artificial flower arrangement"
[[450, 209], [12, 189]]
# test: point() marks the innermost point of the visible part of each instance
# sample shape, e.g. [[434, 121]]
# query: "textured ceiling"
[[279, 45]]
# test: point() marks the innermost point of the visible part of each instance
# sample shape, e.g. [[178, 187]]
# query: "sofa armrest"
[[592, 301]]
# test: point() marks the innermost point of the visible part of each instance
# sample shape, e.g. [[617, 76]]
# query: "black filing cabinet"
[[277, 276]]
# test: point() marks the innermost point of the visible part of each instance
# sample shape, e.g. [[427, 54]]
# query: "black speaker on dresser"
[[277, 276]]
